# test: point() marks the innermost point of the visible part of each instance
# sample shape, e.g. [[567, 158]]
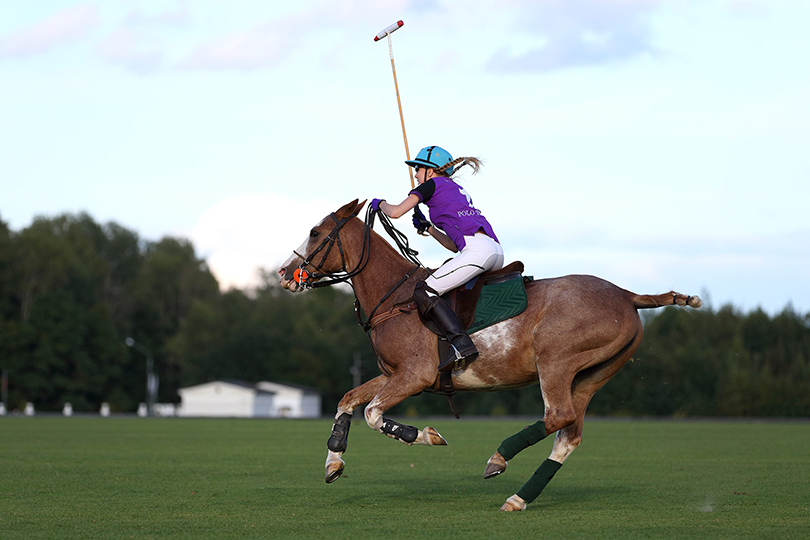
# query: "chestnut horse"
[[575, 334]]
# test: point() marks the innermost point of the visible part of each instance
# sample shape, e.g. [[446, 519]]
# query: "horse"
[[575, 334]]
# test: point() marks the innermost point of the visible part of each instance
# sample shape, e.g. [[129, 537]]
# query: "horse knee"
[[373, 417]]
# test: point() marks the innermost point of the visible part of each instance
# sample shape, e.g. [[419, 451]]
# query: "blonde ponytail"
[[473, 162]]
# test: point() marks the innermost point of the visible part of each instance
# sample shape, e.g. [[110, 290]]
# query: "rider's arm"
[[397, 210]]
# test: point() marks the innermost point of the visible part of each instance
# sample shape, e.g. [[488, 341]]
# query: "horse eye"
[[313, 233]]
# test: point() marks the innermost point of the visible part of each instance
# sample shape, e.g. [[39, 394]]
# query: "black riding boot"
[[437, 310]]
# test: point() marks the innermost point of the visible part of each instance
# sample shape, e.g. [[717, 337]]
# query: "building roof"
[[257, 387]]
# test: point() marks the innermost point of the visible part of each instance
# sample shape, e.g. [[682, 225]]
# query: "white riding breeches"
[[480, 254]]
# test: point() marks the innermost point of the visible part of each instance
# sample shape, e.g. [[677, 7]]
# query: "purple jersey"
[[451, 210]]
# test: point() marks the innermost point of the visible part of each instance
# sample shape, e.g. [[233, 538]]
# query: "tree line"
[[72, 290]]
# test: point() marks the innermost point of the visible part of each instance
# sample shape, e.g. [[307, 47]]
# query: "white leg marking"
[[562, 448], [333, 457], [341, 411], [514, 504]]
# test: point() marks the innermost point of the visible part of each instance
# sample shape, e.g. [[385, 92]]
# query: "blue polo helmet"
[[434, 157]]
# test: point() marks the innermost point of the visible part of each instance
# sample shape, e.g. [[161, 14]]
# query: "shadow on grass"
[[463, 491]]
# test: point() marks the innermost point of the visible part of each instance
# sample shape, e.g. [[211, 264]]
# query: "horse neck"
[[383, 271]]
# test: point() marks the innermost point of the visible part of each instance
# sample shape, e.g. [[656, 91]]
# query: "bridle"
[[325, 279], [303, 277]]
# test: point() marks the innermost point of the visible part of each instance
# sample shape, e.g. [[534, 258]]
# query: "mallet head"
[[389, 30]]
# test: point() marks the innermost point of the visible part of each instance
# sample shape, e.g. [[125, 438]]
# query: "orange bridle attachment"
[[300, 276]]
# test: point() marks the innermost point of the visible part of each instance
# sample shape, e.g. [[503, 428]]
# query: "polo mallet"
[[386, 32]]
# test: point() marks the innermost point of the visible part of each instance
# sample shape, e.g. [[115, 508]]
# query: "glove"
[[375, 204], [420, 222]]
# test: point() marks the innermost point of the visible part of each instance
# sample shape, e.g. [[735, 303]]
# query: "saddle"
[[487, 299]]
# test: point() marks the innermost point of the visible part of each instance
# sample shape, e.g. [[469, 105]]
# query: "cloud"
[[579, 33], [137, 45], [243, 233], [67, 26], [127, 48], [179, 15], [268, 43], [262, 46], [259, 47]]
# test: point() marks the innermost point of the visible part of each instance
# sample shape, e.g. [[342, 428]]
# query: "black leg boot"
[[447, 321], [435, 309]]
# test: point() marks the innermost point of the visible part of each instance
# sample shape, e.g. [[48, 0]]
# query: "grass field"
[[82, 477]]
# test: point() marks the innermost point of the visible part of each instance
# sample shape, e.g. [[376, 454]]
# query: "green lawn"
[[86, 477]]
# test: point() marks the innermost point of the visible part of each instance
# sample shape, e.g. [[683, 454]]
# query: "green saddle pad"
[[498, 302]]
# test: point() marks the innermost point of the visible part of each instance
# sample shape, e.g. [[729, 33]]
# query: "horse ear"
[[359, 207], [349, 209]]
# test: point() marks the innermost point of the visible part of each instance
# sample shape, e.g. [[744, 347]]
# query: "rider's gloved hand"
[[420, 222], [375, 204]]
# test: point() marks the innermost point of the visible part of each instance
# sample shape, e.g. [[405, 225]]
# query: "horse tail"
[[646, 301]]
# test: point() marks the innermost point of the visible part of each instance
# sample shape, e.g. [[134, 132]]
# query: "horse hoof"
[[433, 437], [514, 504], [495, 466], [333, 472]]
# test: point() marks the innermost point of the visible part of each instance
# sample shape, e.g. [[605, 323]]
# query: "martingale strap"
[[380, 318]]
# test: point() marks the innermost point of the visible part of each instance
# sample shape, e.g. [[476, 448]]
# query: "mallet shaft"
[[399, 106]]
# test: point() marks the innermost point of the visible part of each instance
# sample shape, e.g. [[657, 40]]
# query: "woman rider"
[[458, 226]]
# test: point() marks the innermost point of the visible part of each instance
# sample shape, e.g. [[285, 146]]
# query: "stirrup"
[[457, 363]]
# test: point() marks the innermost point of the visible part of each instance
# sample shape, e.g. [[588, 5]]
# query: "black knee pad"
[[340, 433], [399, 431]]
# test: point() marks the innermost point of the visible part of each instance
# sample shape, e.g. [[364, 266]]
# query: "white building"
[[230, 398]]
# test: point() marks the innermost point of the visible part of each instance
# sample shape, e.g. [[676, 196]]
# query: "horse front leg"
[[339, 439]]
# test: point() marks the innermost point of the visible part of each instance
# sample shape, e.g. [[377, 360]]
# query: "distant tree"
[[170, 282], [71, 291], [60, 339], [6, 272]]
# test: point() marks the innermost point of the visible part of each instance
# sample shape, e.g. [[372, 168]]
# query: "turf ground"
[[85, 477]]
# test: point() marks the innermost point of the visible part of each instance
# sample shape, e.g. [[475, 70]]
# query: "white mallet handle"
[[391, 29]]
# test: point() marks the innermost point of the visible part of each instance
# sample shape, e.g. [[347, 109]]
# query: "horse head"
[[321, 254]]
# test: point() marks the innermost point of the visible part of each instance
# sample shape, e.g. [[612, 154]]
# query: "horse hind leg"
[[511, 446], [560, 412], [563, 446], [568, 438]]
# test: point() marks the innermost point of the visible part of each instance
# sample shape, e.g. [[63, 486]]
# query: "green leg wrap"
[[522, 439], [542, 476]]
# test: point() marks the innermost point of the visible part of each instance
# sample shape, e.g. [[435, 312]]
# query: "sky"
[[659, 144]]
